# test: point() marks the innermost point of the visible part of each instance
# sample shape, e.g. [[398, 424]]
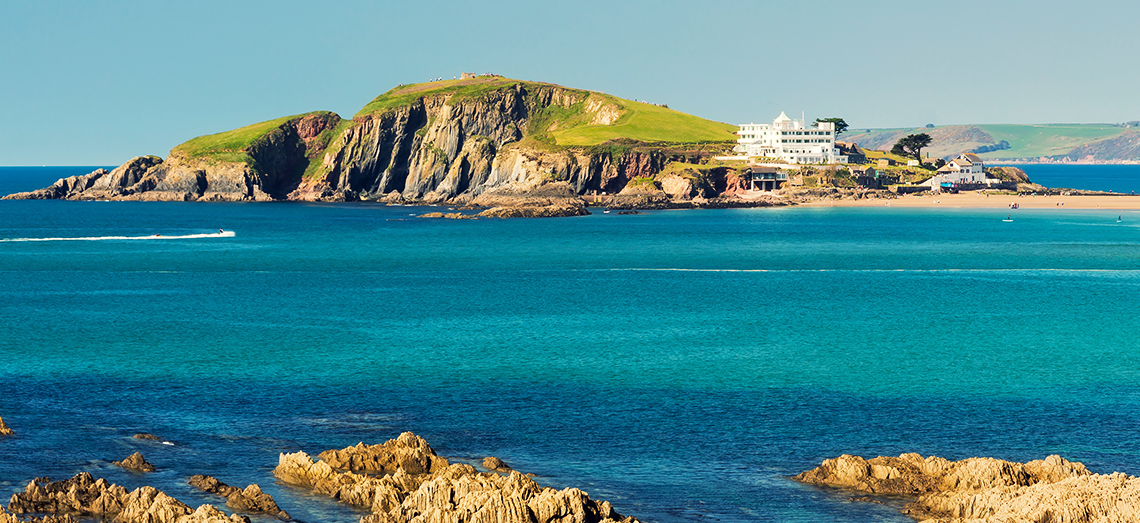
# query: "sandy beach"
[[982, 201]]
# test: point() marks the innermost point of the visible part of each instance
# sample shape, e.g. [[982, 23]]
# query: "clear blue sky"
[[95, 83]]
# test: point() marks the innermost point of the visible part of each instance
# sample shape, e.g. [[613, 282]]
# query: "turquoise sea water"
[[680, 364]]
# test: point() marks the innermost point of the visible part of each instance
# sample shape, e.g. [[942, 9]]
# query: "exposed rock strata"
[[83, 495], [434, 149], [984, 490], [249, 500], [135, 462], [438, 493], [4, 430]]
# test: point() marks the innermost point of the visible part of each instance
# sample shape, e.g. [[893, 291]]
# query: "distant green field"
[[647, 123], [1027, 141]]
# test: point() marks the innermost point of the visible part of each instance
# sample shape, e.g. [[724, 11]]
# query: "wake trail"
[[223, 234]]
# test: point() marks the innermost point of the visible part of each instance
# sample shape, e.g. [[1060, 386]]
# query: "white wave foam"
[[223, 234]]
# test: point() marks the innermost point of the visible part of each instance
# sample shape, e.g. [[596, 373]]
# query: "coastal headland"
[[514, 148]]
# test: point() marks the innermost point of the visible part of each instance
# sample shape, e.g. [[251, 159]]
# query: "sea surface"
[[1115, 178], [681, 364]]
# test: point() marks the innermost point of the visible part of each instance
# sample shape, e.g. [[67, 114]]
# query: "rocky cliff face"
[[440, 148]]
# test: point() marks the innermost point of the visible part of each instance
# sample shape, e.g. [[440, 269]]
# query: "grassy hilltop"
[[571, 126], [1024, 141]]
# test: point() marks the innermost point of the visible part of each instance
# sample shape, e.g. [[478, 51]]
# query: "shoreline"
[[1123, 202]]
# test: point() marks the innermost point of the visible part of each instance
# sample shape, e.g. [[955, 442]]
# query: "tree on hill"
[[840, 125], [911, 145]]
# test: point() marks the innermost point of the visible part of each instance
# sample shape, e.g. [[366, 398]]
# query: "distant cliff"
[[443, 142]]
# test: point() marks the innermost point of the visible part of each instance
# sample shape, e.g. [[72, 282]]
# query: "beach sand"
[[981, 201]]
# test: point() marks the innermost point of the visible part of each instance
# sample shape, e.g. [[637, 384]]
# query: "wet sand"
[[981, 201]]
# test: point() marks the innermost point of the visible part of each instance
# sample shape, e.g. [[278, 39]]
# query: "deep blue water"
[[680, 364], [1115, 178]]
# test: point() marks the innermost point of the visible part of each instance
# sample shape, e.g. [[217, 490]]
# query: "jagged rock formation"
[[250, 500], [83, 495], [4, 430], [440, 147], [984, 490], [146, 436], [497, 465], [439, 493], [408, 452], [135, 462]]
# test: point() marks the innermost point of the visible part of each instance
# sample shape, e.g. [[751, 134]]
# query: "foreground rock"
[[984, 490], [135, 462], [9, 518], [250, 500], [83, 495], [429, 490], [4, 430]]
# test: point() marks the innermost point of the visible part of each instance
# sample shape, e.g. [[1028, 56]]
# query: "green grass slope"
[[647, 123], [570, 126], [231, 146]]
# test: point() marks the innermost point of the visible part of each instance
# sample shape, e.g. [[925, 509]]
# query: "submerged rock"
[[83, 495], [496, 464], [4, 430], [135, 462], [251, 500], [985, 490], [438, 492], [146, 436]]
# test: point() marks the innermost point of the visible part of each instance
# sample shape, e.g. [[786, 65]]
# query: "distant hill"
[[1093, 142], [452, 140]]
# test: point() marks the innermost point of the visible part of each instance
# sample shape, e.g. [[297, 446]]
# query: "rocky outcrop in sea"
[[135, 462], [4, 430], [85, 496], [249, 500], [404, 481], [987, 490]]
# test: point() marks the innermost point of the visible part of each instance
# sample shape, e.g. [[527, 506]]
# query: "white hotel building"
[[790, 141]]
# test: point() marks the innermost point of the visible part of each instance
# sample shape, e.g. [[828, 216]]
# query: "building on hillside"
[[866, 177], [852, 151], [467, 76], [966, 168], [885, 162], [764, 178], [790, 140]]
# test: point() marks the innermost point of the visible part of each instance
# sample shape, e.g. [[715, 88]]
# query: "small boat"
[[1008, 218], [607, 211]]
